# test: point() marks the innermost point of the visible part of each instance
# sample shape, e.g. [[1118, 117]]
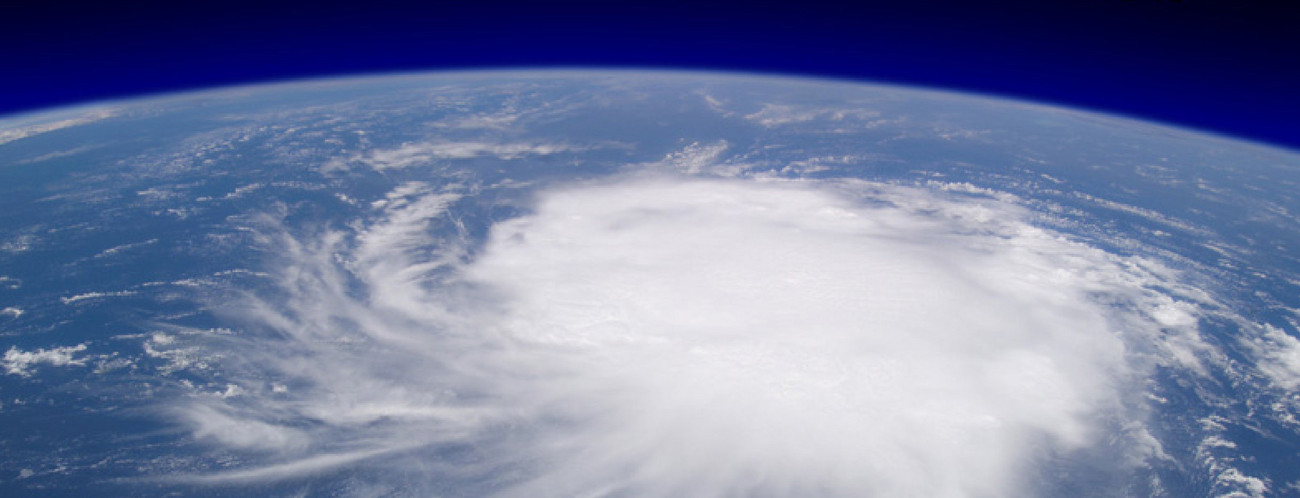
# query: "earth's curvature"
[[641, 284]]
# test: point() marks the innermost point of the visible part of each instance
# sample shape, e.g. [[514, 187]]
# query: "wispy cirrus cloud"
[[19, 132]]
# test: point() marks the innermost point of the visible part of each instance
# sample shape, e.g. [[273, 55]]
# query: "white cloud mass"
[[677, 336]]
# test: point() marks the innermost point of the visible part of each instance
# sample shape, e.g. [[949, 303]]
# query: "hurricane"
[[642, 284]]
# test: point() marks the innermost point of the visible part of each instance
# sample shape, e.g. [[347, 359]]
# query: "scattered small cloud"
[[428, 153], [175, 357], [774, 115], [697, 158], [494, 121], [820, 163], [21, 363], [1280, 357], [19, 243]]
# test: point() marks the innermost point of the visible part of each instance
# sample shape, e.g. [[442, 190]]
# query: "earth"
[[622, 283]]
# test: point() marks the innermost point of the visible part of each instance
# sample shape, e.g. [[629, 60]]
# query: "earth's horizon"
[[572, 71]]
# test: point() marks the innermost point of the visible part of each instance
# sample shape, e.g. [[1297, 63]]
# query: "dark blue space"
[[1225, 67]]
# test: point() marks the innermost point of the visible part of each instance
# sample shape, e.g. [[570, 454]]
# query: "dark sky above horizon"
[[1230, 67]]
